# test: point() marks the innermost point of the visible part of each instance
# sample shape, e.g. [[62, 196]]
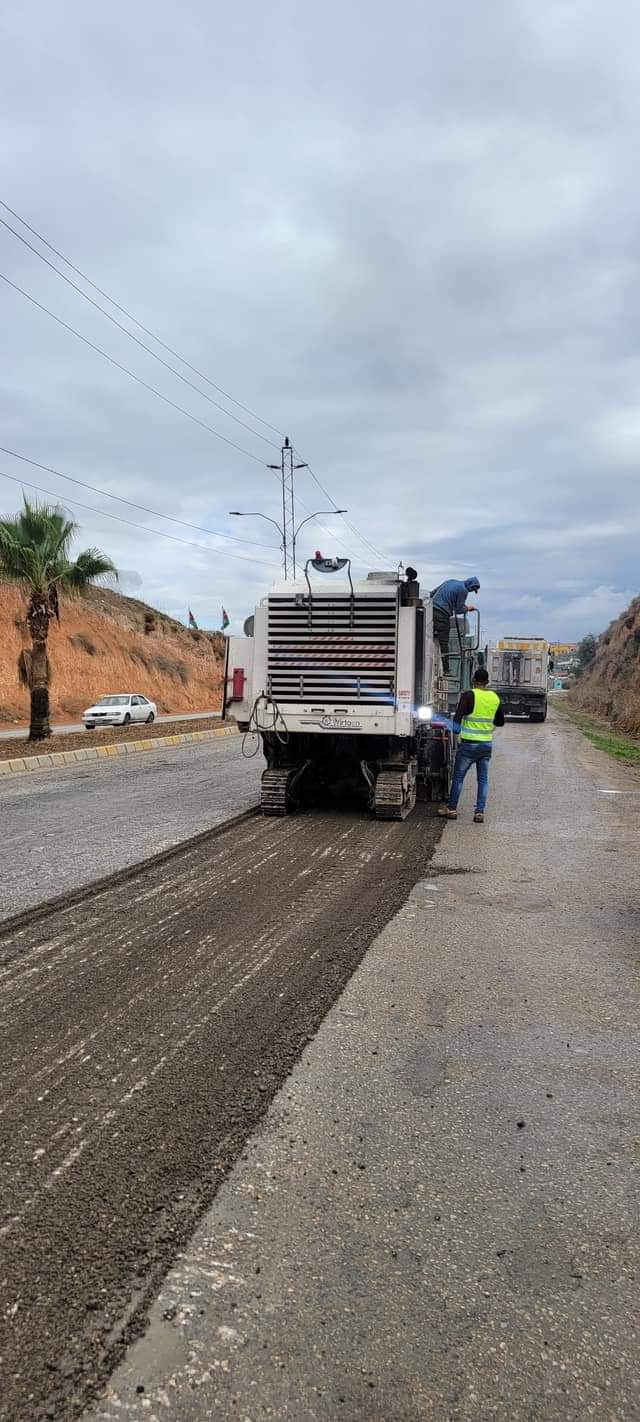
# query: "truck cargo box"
[[519, 670]]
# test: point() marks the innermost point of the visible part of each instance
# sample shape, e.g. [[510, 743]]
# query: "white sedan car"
[[120, 710]]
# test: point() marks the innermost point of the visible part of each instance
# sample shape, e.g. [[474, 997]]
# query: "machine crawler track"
[[395, 795], [275, 796]]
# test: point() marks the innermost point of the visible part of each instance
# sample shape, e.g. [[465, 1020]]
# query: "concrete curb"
[[57, 759]]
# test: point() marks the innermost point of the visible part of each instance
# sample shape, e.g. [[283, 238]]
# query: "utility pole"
[[287, 470]]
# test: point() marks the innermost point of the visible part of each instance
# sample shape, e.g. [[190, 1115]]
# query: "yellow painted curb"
[[54, 760]]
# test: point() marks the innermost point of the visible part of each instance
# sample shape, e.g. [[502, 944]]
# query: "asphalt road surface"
[[439, 1219], [144, 1027], [70, 727], [63, 828]]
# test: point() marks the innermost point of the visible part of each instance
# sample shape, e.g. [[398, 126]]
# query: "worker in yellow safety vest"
[[478, 711]]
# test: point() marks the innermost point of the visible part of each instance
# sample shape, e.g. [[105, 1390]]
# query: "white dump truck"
[[519, 671], [342, 682]]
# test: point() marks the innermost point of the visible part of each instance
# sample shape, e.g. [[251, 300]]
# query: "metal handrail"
[[345, 562], [476, 644]]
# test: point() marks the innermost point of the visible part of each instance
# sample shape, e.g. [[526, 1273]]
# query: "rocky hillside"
[[106, 643], [610, 685]]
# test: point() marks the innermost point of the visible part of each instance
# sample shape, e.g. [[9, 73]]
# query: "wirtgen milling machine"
[[343, 684]]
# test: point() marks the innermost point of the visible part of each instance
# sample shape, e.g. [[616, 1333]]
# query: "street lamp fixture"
[[240, 513], [319, 513]]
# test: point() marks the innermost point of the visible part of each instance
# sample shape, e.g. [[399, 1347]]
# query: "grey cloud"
[[408, 237], [129, 581]]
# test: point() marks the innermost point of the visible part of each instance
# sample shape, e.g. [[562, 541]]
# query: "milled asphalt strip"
[[65, 828], [55, 760], [22, 922], [440, 1217], [144, 1030]]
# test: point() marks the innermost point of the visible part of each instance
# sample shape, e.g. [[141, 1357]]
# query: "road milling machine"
[[342, 683]]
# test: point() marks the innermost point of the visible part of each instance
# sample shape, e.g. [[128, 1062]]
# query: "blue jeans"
[[470, 753]]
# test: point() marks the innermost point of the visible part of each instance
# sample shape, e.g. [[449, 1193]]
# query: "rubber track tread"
[[390, 800], [273, 798]]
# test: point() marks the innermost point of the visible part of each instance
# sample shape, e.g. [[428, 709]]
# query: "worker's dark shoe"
[[446, 814], [478, 818]]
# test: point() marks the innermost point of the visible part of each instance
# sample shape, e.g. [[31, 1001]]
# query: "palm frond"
[[91, 566], [32, 542], [20, 562], [46, 526], [35, 551]]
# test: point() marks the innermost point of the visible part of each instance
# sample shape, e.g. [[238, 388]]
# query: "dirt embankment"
[[108, 643], [610, 687]]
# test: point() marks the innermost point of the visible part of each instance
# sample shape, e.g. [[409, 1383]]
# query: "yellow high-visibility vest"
[[479, 725]]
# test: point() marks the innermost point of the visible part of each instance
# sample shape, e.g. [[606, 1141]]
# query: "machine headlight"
[[425, 713]]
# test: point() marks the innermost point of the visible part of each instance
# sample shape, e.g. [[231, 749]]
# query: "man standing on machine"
[[449, 599]]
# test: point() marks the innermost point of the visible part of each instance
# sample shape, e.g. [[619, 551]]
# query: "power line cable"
[[112, 361], [142, 344], [366, 543], [376, 551], [155, 532], [125, 369], [144, 508], [105, 494], [354, 530], [123, 311]]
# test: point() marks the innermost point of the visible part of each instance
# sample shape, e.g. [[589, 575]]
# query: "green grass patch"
[[621, 747]]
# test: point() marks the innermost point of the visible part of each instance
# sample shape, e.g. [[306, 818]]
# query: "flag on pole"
[[225, 619], [192, 622]]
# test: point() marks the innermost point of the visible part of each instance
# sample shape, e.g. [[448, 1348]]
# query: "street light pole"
[[319, 513], [287, 469], [239, 513]]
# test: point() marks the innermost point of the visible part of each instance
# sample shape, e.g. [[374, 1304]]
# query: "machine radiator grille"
[[344, 653]]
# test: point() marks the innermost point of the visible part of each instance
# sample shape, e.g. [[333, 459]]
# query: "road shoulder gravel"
[[439, 1217]]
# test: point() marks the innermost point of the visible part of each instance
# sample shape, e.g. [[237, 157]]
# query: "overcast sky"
[[406, 234]]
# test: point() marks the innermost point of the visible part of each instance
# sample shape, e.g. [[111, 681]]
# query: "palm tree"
[[35, 554]]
